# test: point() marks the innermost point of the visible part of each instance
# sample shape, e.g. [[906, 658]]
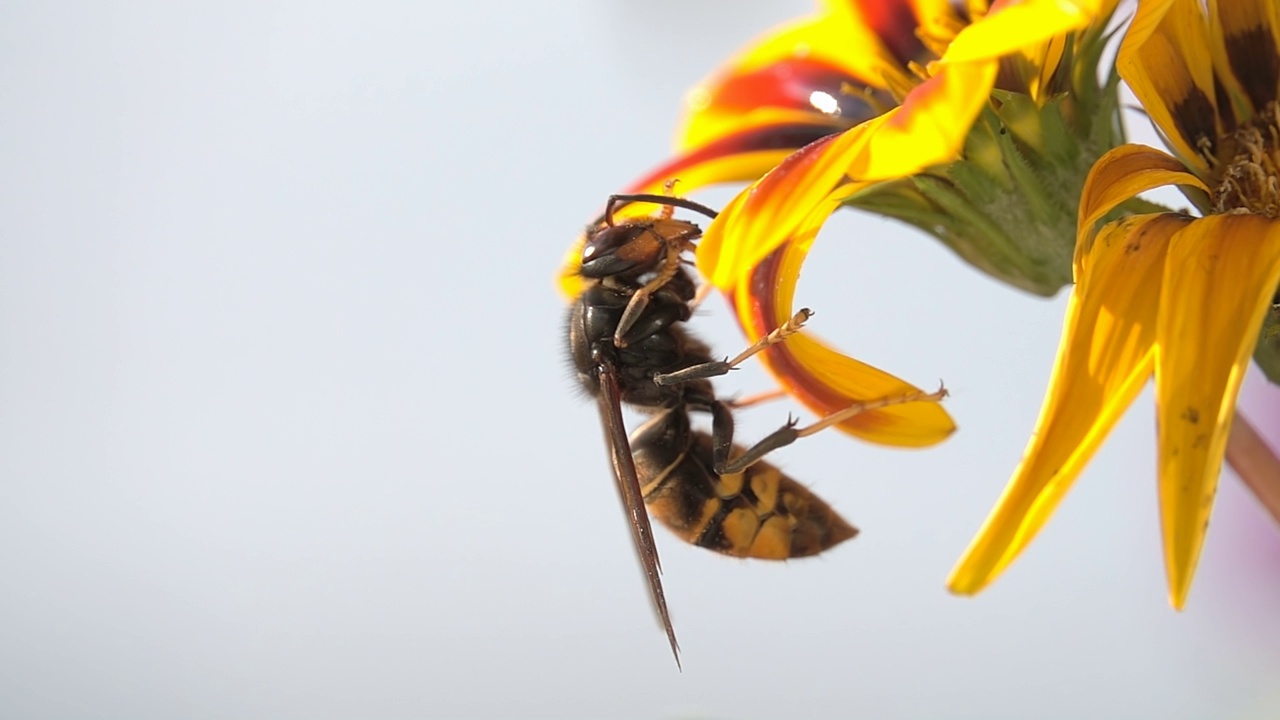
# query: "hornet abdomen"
[[759, 512]]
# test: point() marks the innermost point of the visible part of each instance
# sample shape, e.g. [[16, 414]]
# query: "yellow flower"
[[1014, 47], [1014, 51], [811, 79], [1167, 294]]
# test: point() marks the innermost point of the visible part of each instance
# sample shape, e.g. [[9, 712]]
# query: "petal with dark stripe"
[[821, 378], [817, 67], [1105, 358], [895, 22], [790, 91], [773, 209], [1166, 60], [1248, 33]]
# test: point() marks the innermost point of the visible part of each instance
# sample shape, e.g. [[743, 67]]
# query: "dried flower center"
[[1250, 178]]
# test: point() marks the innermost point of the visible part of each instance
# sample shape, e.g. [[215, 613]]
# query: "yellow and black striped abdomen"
[[758, 513]]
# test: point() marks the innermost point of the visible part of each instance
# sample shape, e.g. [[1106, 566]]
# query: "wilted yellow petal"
[[1119, 175], [1166, 60], [1105, 358], [1220, 276]]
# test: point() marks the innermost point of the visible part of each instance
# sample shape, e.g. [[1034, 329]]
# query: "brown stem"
[[1255, 463]]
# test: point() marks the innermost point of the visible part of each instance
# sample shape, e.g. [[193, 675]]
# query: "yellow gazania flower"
[[810, 79], [1167, 294], [755, 249], [1018, 42]]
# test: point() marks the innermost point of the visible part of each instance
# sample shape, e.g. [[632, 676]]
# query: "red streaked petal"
[[928, 130], [895, 22], [790, 91], [764, 215], [743, 156], [826, 53], [821, 378]]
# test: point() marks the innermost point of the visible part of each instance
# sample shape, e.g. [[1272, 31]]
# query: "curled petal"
[[1104, 360], [772, 210], [927, 130], [821, 378], [1220, 276], [1123, 173], [1166, 60]]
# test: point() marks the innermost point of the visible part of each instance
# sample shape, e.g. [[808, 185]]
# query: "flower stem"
[[1256, 464]]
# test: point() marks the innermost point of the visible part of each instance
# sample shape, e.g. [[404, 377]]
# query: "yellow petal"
[[823, 379], [769, 212], [1167, 61], [1220, 276], [930, 126], [1119, 175], [1039, 62], [827, 381], [1011, 27], [1104, 360]]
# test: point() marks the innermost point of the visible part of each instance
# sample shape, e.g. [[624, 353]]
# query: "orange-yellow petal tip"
[[1106, 356]]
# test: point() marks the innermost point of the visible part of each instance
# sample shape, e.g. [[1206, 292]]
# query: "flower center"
[[1250, 179]]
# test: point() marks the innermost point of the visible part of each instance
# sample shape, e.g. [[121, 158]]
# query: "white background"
[[286, 427]]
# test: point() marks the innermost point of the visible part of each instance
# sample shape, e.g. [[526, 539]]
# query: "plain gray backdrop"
[[287, 430]]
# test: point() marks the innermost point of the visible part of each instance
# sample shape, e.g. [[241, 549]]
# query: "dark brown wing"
[[624, 472]]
